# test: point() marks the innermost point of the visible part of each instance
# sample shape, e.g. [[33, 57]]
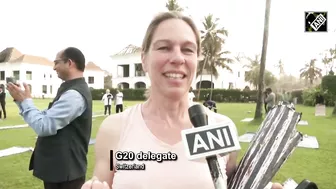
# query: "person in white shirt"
[[191, 96], [119, 101], [107, 99]]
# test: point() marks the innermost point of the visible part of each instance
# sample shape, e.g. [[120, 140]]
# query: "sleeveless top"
[[181, 174]]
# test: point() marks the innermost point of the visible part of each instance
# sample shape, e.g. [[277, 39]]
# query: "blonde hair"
[[146, 43]]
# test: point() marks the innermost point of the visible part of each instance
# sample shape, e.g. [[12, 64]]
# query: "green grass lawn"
[[318, 165]]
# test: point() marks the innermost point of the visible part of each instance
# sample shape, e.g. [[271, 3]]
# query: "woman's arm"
[[231, 165], [107, 139]]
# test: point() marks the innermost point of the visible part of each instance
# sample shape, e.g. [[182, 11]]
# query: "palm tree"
[[258, 112], [332, 57], [326, 61], [212, 42], [253, 63], [310, 72], [252, 76], [216, 61], [281, 68], [172, 5]]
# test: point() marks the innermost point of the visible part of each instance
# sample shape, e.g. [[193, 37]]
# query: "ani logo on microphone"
[[316, 21], [209, 140]]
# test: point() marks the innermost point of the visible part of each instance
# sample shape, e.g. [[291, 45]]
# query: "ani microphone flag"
[[273, 143]]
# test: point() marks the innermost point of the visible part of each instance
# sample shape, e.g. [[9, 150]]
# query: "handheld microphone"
[[306, 184], [208, 140]]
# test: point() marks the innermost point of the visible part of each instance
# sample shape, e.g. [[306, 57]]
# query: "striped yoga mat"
[[273, 143]]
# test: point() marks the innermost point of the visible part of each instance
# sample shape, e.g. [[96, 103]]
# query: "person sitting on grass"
[[210, 103]]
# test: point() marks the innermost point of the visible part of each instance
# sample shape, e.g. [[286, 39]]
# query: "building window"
[[50, 89], [44, 89], [123, 71], [44, 76], [139, 71], [2, 75], [16, 75], [238, 74], [29, 75], [230, 85], [50, 76], [91, 80]]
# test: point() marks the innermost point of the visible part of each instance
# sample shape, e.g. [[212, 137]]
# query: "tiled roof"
[[12, 55], [30, 59], [130, 49], [9, 53], [92, 66]]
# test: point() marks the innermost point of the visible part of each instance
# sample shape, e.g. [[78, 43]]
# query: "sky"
[[104, 27]]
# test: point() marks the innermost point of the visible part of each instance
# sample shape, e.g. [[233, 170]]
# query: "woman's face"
[[171, 60]]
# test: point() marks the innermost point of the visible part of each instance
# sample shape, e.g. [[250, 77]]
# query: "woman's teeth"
[[174, 75]]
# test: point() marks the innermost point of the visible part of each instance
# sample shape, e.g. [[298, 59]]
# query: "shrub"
[[329, 84], [299, 95], [309, 96]]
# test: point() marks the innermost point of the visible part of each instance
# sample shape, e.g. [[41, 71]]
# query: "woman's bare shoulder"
[[112, 126], [110, 122]]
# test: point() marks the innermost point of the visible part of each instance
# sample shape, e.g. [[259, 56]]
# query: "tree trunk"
[[258, 111], [200, 83], [334, 111], [212, 85]]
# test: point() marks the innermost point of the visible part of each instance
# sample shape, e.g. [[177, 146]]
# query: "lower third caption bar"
[[141, 156]]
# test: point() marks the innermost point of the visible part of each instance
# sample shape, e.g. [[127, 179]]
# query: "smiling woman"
[[170, 50]]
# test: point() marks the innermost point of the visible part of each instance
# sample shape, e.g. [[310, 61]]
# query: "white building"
[[129, 74], [38, 73]]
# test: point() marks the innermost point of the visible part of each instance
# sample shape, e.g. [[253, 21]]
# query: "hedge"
[[329, 84], [129, 94], [218, 95]]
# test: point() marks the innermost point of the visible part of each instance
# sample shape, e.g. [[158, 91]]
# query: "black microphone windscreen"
[[197, 115], [306, 184]]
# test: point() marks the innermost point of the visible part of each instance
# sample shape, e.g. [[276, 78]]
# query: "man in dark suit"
[[2, 102], [64, 129]]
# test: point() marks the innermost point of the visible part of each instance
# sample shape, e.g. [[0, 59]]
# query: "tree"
[[215, 61], [172, 5], [326, 61], [258, 111], [108, 81], [211, 44], [252, 77], [287, 83], [281, 68], [310, 72]]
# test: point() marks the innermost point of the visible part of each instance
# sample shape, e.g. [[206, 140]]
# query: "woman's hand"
[[94, 183], [277, 186]]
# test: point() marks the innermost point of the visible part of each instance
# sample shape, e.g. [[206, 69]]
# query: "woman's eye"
[[188, 50], [163, 48]]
